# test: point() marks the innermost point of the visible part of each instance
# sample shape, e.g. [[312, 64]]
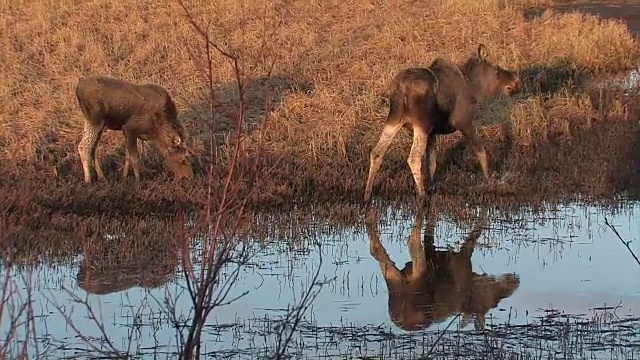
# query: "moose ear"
[[482, 51], [177, 140]]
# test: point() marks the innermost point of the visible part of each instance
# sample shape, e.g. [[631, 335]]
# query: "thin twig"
[[91, 317], [294, 315], [625, 243]]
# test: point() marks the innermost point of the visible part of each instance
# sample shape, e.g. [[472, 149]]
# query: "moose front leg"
[[461, 118], [431, 156], [97, 164], [131, 156], [416, 250], [388, 268]]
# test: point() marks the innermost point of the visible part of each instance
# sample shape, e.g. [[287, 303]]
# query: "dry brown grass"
[[331, 61]]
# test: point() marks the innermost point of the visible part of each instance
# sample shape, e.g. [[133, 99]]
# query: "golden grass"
[[333, 61]]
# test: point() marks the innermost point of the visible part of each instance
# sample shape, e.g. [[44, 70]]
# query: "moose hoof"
[[507, 177], [433, 187]]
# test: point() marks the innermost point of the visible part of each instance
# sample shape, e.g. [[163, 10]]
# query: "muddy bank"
[[57, 218], [600, 162]]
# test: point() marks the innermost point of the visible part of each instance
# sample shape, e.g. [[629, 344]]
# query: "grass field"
[[329, 64]]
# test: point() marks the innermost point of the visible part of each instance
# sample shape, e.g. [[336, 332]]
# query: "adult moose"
[[144, 112], [437, 284], [440, 99]]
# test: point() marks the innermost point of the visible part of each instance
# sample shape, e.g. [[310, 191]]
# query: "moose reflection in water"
[[106, 270], [437, 284]]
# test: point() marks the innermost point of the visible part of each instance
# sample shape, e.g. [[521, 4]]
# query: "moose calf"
[[144, 112]]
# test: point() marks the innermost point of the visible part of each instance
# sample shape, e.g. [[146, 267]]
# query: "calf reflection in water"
[[437, 284], [106, 273]]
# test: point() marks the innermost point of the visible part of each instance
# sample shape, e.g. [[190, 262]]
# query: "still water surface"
[[568, 263]]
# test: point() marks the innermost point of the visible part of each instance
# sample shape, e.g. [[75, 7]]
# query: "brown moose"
[[144, 112], [437, 284], [438, 100]]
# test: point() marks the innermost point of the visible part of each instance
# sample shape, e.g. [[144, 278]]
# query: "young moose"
[[436, 284], [440, 99], [144, 112]]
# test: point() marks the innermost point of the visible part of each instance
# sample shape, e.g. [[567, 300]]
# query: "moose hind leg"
[[420, 139], [97, 164], [87, 146], [394, 124], [127, 162], [422, 127]]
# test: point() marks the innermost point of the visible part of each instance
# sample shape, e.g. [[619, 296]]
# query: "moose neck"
[[163, 139], [468, 69]]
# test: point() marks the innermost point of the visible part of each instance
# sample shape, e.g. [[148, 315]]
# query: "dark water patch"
[[623, 87], [626, 10], [630, 81]]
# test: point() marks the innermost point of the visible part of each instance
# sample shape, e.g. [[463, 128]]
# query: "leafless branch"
[[625, 243], [295, 314], [95, 319], [16, 313]]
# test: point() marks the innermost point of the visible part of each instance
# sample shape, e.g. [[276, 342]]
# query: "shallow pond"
[[573, 292], [626, 10]]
